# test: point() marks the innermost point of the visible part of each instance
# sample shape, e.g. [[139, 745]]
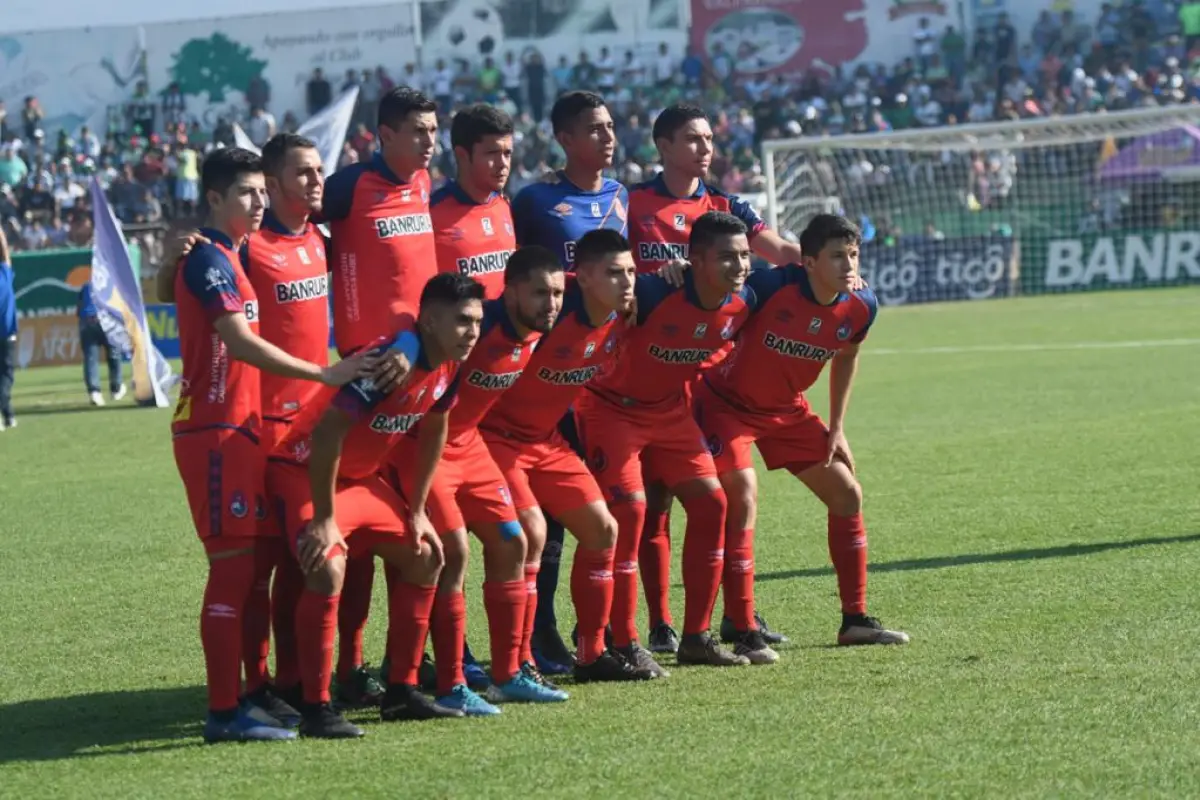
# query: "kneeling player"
[[340, 494], [807, 316]]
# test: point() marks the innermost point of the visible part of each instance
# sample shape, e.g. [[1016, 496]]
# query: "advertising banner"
[[923, 270]]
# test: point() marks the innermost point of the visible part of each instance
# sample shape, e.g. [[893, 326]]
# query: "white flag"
[[327, 128]]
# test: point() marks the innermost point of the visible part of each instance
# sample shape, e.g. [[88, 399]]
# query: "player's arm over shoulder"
[[209, 276]]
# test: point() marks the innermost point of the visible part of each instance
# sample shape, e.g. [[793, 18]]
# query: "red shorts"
[[468, 487], [222, 472], [619, 440], [368, 512], [273, 432], [795, 441], [548, 473]]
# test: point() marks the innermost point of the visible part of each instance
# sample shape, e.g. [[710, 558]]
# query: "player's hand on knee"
[[424, 535], [839, 450], [673, 271], [316, 544], [391, 371]]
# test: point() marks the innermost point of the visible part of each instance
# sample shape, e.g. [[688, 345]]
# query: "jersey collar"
[[272, 223], [660, 185], [380, 166], [218, 237], [807, 292], [693, 297], [573, 303], [461, 195], [422, 353]]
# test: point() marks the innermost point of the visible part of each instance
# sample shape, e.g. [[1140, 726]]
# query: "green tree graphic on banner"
[[214, 66]]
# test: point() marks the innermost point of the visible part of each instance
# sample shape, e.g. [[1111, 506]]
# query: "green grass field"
[[1030, 470]]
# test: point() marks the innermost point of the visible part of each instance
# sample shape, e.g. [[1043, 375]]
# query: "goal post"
[[995, 209]]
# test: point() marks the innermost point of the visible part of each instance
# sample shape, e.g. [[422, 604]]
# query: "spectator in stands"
[[535, 81], [91, 341], [8, 335], [260, 127], [4, 131], [318, 92], [31, 118]]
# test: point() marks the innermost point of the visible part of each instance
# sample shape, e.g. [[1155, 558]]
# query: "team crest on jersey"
[[589, 350], [302, 254], [814, 327], [727, 331], [701, 329], [508, 228], [619, 209], [680, 222], [843, 331], [440, 389], [238, 506], [301, 451], [516, 354], [487, 226], [456, 234], [561, 210], [610, 343]]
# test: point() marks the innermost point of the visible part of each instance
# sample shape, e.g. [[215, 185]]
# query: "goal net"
[[997, 209]]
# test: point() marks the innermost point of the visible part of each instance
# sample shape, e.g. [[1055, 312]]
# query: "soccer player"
[[637, 414], [472, 222], [217, 423], [661, 211], [555, 213], [327, 477], [543, 470], [807, 316]]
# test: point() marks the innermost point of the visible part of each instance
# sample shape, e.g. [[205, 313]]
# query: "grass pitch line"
[[1033, 348]]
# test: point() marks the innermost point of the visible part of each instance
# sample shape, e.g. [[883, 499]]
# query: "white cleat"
[[868, 630], [96, 398], [754, 648], [119, 393]]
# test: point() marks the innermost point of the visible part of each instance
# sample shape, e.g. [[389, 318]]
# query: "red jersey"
[[217, 391], [383, 250], [781, 351], [661, 223], [473, 239], [673, 337], [290, 275], [566, 358], [495, 364], [380, 420]]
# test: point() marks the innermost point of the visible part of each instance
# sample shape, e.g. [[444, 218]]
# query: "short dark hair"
[[674, 117], [275, 151], [399, 102], [600, 244], [473, 123], [570, 105], [223, 167], [528, 260], [825, 228], [711, 226], [450, 288]]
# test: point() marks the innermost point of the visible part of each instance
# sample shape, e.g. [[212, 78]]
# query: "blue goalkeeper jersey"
[[555, 213]]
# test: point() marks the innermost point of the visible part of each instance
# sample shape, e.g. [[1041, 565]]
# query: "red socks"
[[289, 585], [316, 629], [228, 587], [409, 609], [703, 558], [505, 604], [738, 580], [655, 557], [630, 516], [531, 577], [352, 614], [848, 551], [592, 593], [256, 617], [449, 629]]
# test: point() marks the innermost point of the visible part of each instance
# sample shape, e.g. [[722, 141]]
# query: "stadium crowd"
[[1133, 54]]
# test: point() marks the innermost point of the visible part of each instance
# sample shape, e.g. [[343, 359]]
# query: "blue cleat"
[[461, 698], [476, 676], [243, 728], [523, 689], [550, 653]]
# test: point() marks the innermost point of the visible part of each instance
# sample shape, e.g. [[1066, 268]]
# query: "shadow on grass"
[[102, 724], [1031, 554], [72, 408]]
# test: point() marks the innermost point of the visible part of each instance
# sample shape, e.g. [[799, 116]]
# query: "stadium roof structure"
[[30, 16]]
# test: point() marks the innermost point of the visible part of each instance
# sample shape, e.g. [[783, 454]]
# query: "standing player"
[[472, 223], [555, 213], [808, 316], [542, 469], [217, 423], [383, 254], [340, 504], [637, 414], [662, 211]]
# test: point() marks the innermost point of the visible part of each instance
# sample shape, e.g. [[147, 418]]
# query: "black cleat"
[[427, 674], [701, 648], [861, 629], [292, 695], [640, 659], [265, 700], [663, 639], [754, 647], [731, 635], [360, 690], [611, 667], [322, 722], [607, 636], [534, 674], [406, 703]]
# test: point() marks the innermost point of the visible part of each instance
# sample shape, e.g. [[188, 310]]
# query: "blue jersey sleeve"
[[766, 282], [867, 296], [210, 278], [650, 291], [358, 398], [746, 213], [449, 398], [623, 201], [523, 206], [244, 255], [339, 193]]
